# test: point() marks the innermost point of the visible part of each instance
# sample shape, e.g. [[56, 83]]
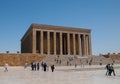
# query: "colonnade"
[[61, 43]]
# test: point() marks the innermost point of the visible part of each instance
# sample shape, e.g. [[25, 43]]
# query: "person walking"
[[112, 70], [108, 69]]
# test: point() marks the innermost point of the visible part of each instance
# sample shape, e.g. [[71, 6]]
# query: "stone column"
[[41, 42], [68, 43], [54, 43], [34, 42], [61, 50], [84, 45], [79, 44], [48, 42], [89, 45], [74, 47]]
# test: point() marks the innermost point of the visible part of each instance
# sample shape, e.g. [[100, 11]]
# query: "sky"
[[101, 16]]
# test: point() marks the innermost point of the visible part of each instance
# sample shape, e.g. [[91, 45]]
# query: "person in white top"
[[6, 67]]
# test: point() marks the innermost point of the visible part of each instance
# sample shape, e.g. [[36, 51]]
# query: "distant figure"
[[6, 67], [100, 63], [42, 65], [45, 66], [108, 68], [60, 62], [112, 70], [35, 66], [75, 65], [57, 61], [52, 68], [82, 64], [32, 66], [67, 63], [25, 66], [38, 66]]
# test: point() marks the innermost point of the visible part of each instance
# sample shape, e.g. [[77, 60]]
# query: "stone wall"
[[113, 56], [19, 59]]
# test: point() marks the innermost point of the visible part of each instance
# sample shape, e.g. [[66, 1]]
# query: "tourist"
[[60, 61], [52, 68], [25, 66], [6, 67], [38, 66], [32, 66], [35, 66], [67, 63], [57, 61], [82, 64], [108, 69], [75, 65], [44, 66], [112, 70]]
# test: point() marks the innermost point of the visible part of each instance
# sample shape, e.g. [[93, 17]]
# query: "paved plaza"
[[62, 75]]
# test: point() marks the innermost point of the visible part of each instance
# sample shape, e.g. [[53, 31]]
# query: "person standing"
[[52, 68], [44, 65], [38, 66], [35, 66], [25, 66], [6, 67], [32, 66]]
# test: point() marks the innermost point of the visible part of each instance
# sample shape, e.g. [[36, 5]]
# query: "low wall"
[[19, 59], [113, 56]]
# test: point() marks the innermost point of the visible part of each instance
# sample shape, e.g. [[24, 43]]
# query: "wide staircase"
[[70, 61]]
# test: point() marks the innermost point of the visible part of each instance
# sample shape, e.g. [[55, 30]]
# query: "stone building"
[[57, 40]]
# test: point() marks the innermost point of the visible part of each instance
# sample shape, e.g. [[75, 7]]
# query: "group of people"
[[110, 69], [35, 66], [44, 66]]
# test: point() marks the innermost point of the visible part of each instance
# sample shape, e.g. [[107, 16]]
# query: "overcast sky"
[[101, 16]]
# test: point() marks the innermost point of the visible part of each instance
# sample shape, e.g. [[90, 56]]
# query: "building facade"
[[57, 40]]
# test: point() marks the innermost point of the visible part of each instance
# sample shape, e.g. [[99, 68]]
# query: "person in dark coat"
[[52, 68], [35, 66], [38, 66], [108, 69], [44, 66], [32, 66]]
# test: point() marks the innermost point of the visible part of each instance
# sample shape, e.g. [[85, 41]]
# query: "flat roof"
[[56, 28]]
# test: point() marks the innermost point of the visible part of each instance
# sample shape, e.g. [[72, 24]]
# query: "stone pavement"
[[62, 75]]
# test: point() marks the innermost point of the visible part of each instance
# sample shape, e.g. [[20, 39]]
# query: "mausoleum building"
[[57, 40]]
